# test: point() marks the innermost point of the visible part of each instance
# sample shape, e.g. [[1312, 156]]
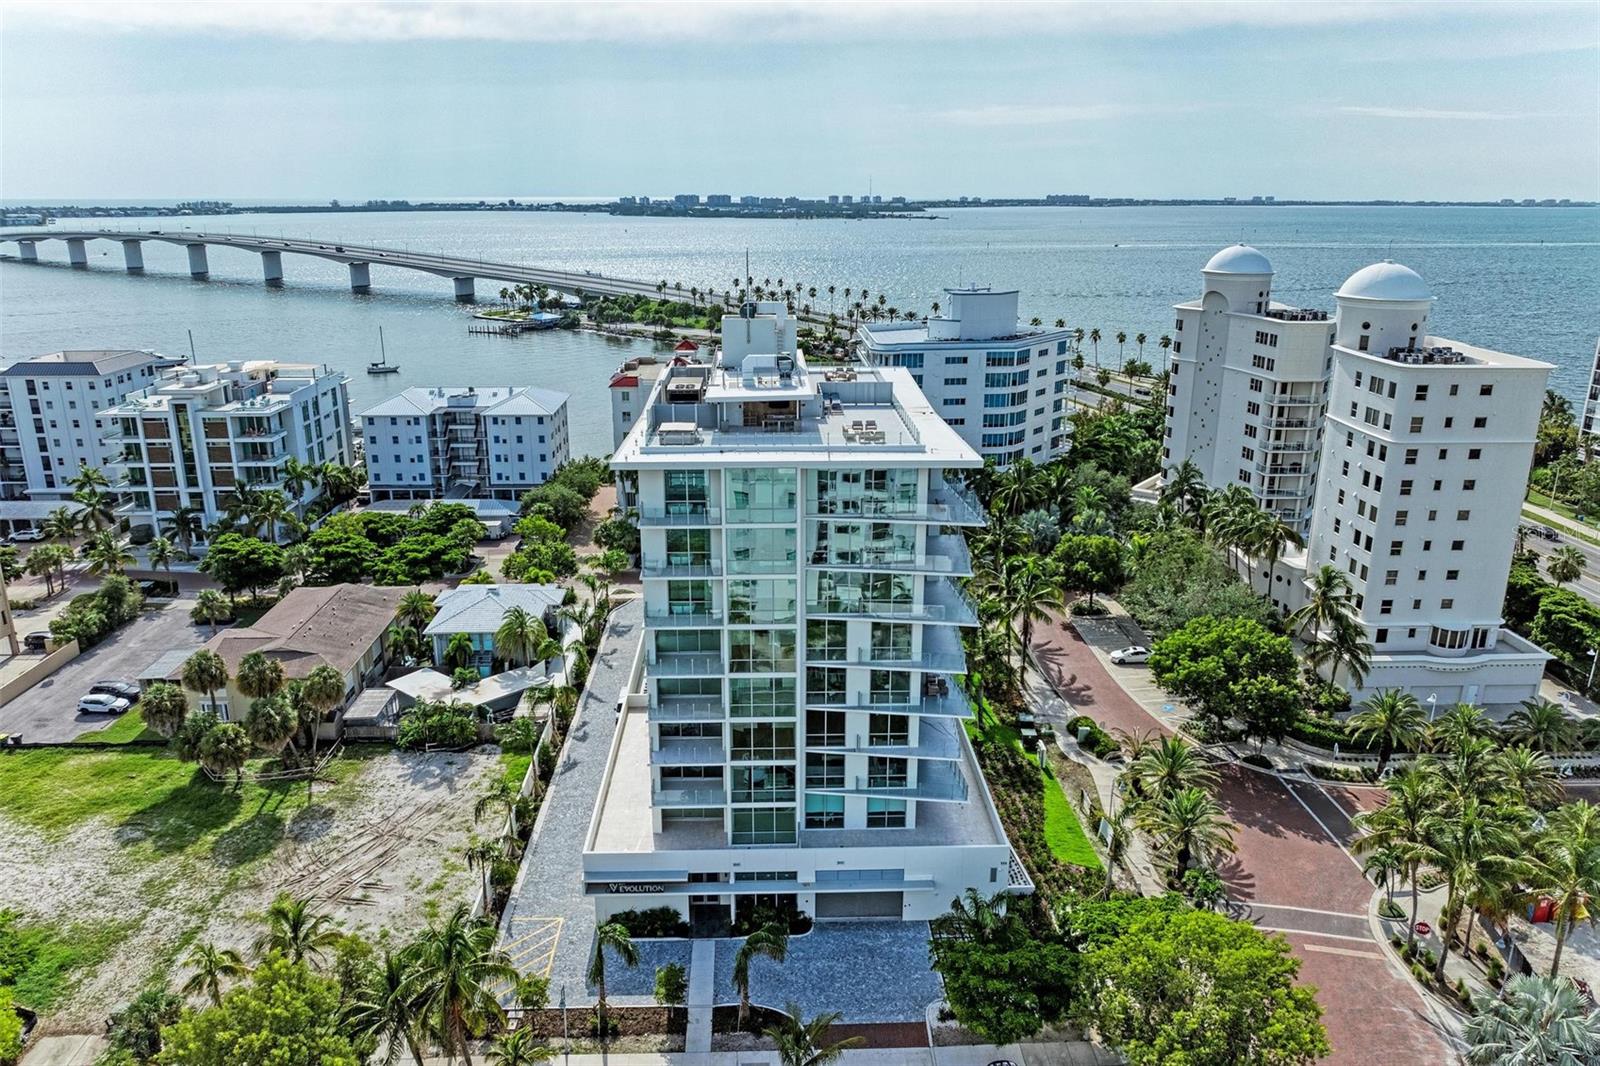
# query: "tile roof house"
[[478, 610]]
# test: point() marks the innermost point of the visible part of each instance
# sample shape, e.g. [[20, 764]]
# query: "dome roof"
[[1387, 280], [1238, 259]]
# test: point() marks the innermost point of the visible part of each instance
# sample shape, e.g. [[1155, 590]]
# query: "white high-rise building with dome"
[[1395, 450]]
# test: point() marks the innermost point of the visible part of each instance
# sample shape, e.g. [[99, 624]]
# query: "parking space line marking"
[[1331, 950], [1331, 835], [1308, 910], [1313, 932], [1336, 804]]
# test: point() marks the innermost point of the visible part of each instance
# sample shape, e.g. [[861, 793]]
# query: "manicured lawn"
[[160, 804], [128, 728], [1062, 830]]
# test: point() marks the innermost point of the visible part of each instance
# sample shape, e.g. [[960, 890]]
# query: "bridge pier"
[[28, 251], [465, 293], [77, 254], [197, 261], [272, 267], [133, 255], [360, 277]]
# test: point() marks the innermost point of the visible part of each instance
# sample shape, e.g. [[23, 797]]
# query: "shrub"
[[1497, 969], [1084, 609], [91, 617], [672, 985], [1419, 973], [136, 1029], [1097, 742], [796, 921], [1463, 993], [1388, 908], [1429, 959], [652, 923], [437, 725]]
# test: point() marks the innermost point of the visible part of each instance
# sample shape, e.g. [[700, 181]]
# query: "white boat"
[[382, 366]]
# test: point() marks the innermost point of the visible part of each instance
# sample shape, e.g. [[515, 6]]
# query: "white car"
[[1131, 656], [102, 703], [23, 535]]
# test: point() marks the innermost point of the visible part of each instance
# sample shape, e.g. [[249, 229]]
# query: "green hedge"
[[1098, 742]]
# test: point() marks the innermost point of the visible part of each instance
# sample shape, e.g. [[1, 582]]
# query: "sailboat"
[[382, 366]]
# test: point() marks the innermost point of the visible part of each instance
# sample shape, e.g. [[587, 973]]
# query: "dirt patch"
[[381, 852]]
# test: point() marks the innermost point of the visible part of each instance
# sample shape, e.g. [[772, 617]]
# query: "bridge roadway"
[[359, 258]]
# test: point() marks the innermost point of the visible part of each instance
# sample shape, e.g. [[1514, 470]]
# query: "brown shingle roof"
[[333, 624]]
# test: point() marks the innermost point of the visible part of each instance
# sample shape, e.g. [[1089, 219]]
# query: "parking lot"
[[48, 711]]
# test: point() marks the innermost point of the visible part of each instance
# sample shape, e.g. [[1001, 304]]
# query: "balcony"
[[690, 516], [952, 705], [242, 433], [670, 798], [681, 664], [762, 566], [1291, 423], [948, 504], [686, 709], [935, 658], [670, 618], [762, 753], [946, 554], [944, 603], [936, 782], [677, 751], [936, 740], [673, 568], [761, 515]]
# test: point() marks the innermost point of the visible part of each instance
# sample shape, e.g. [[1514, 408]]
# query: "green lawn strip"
[[45, 961], [158, 804], [124, 730], [515, 765], [1062, 830], [1581, 530]]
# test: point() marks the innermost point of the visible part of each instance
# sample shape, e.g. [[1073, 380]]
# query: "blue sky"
[[315, 101]]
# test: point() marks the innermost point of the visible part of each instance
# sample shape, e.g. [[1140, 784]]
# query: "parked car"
[[36, 641], [102, 703], [1549, 534], [127, 690], [1140, 390], [1131, 656], [22, 536]]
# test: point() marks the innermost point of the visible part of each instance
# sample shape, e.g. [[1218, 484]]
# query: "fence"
[[293, 773], [38, 672]]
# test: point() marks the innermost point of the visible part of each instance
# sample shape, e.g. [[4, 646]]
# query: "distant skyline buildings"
[[1467, 102]]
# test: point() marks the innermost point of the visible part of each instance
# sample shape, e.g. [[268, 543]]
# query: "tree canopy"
[[285, 1014]]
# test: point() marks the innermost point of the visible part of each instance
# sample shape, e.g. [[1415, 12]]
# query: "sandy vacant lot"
[[379, 847]]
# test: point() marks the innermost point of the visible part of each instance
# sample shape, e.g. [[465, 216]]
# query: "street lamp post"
[[1433, 699], [1594, 659]]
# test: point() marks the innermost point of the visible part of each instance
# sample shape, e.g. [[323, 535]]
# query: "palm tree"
[[1165, 344], [294, 932], [1139, 340], [1403, 824], [801, 1043], [385, 1008], [1393, 718], [1031, 594], [613, 936], [1122, 340], [107, 554], [1094, 339], [1189, 824], [297, 477], [212, 606], [270, 724], [205, 672], [1329, 601], [60, 524], [212, 966], [1565, 564], [162, 553], [1381, 865], [1119, 833], [1529, 776], [1566, 870], [1533, 1020], [259, 677], [518, 1048], [1542, 724], [271, 509], [519, 634], [185, 526], [481, 856], [89, 477], [223, 750], [416, 609], [99, 509], [320, 692], [503, 798], [1459, 725], [458, 651], [1473, 841], [1184, 489], [458, 968], [770, 941], [164, 707], [1167, 767]]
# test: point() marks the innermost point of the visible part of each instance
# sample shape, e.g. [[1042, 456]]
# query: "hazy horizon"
[[299, 102]]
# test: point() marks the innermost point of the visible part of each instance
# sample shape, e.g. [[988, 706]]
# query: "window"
[[1457, 545], [1463, 515], [1485, 390], [886, 814], [1395, 546], [1386, 607], [1405, 487], [1399, 517], [1422, 393], [1391, 577], [1445, 605], [1411, 457], [1474, 453], [1451, 575], [1481, 422], [1380, 636], [1416, 423]]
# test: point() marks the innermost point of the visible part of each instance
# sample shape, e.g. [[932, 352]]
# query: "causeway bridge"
[[359, 258]]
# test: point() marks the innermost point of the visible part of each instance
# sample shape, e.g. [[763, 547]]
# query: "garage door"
[[859, 904]]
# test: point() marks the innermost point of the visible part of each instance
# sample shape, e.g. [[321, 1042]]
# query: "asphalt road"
[[48, 711], [1588, 585]]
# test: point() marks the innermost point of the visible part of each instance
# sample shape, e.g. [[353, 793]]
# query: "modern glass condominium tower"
[[793, 736]]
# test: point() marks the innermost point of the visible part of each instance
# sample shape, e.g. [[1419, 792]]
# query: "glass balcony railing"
[[687, 709], [944, 603], [761, 566], [687, 797], [761, 515], [681, 664], [690, 567], [677, 751], [684, 515], [948, 504], [936, 782], [945, 554], [671, 618]]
